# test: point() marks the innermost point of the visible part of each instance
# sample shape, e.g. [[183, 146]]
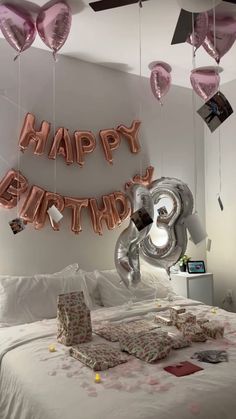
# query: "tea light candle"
[[97, 378], [214, 310], [52, 348]]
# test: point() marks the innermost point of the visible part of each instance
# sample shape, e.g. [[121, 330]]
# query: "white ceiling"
[[111, 38]]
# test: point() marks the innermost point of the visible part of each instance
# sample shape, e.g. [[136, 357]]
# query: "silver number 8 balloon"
[[133, 243]]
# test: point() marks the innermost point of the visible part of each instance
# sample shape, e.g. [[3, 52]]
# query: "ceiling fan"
[[98, 6], [101, 5]]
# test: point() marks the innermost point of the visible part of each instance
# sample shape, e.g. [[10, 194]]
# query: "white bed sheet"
[[36, 384]]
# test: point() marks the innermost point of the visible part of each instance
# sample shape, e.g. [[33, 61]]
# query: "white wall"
[[88, 97], [221, 226]]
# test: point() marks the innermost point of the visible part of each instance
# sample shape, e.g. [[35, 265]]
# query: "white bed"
[[37, 384]]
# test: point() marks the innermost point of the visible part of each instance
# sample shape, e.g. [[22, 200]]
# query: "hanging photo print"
[[17, 225], [162, 211], [215, 111], [141, 219]]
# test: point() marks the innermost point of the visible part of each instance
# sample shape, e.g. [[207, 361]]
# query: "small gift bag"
[[73, 317]]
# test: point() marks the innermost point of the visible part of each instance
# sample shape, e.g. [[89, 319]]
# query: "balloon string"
[[220, 162], [19, 120], [140, 58], [194, 110], [54, 117]]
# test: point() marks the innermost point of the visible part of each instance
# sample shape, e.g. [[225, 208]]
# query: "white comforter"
[[36, 384]]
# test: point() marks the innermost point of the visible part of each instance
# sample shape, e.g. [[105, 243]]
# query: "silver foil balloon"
[[127, 247], [173, 223]]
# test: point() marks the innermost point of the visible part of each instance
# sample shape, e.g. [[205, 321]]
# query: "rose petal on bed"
[[165, 387], [52, 373], [84, 385], [153, 381], [92, 394], [194, 408]]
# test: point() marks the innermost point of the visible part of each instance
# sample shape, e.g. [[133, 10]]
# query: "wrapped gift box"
[[175, 311], [213, 329], [194, 332], [149, 347], [163, 320], [185, 318], [202, 321]]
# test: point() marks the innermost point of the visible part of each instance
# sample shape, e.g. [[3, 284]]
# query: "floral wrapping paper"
[[114, 332], [194, 332], [202, 321], [166, 321], [179, 341], [99, 357], [148, 347], [73, 319], [213, 329], [175, 311], [185, 318]]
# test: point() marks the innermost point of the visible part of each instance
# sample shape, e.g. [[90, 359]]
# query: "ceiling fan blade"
[[101, 5], [184, 27]]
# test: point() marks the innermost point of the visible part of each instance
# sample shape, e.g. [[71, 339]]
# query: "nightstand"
[[194, 286]]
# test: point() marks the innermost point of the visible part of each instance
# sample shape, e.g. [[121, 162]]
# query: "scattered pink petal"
[[52, 373], [84, 385], [92, 394], [194, 408], [165, 387], [153, 381]]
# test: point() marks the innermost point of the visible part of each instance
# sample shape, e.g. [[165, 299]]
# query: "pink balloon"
[[17, 26], [205, 82], [54, 23], [200, 30], [160, 80], [225, 35]]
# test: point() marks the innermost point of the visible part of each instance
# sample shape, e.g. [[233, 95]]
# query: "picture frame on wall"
[[196, 267]]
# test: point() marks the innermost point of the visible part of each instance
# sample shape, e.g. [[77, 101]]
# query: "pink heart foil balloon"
[[160, 80], [200, 30], [218, 44], [54, 24], [17, 26], [205, 82]]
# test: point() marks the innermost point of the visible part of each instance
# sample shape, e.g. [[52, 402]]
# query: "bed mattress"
[[37, 384]]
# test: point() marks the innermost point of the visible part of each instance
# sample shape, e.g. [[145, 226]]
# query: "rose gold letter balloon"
[[54, 23], [131, 134], [17, 26], [76, 205], [62, 145], [49, 199], [205, 82], [145, 180], [28, 133], [32, 203], [105, 213], [160, 79], [12, 186], [110, 141], [85, 142], [121, 207]]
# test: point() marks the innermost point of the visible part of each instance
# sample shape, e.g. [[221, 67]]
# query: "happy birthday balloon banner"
[[74, 148], [19, 28], [114, 210]]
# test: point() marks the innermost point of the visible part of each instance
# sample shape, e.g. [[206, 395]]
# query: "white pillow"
[[91, 284], [29, 299], [114, 293], [66, 272]]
